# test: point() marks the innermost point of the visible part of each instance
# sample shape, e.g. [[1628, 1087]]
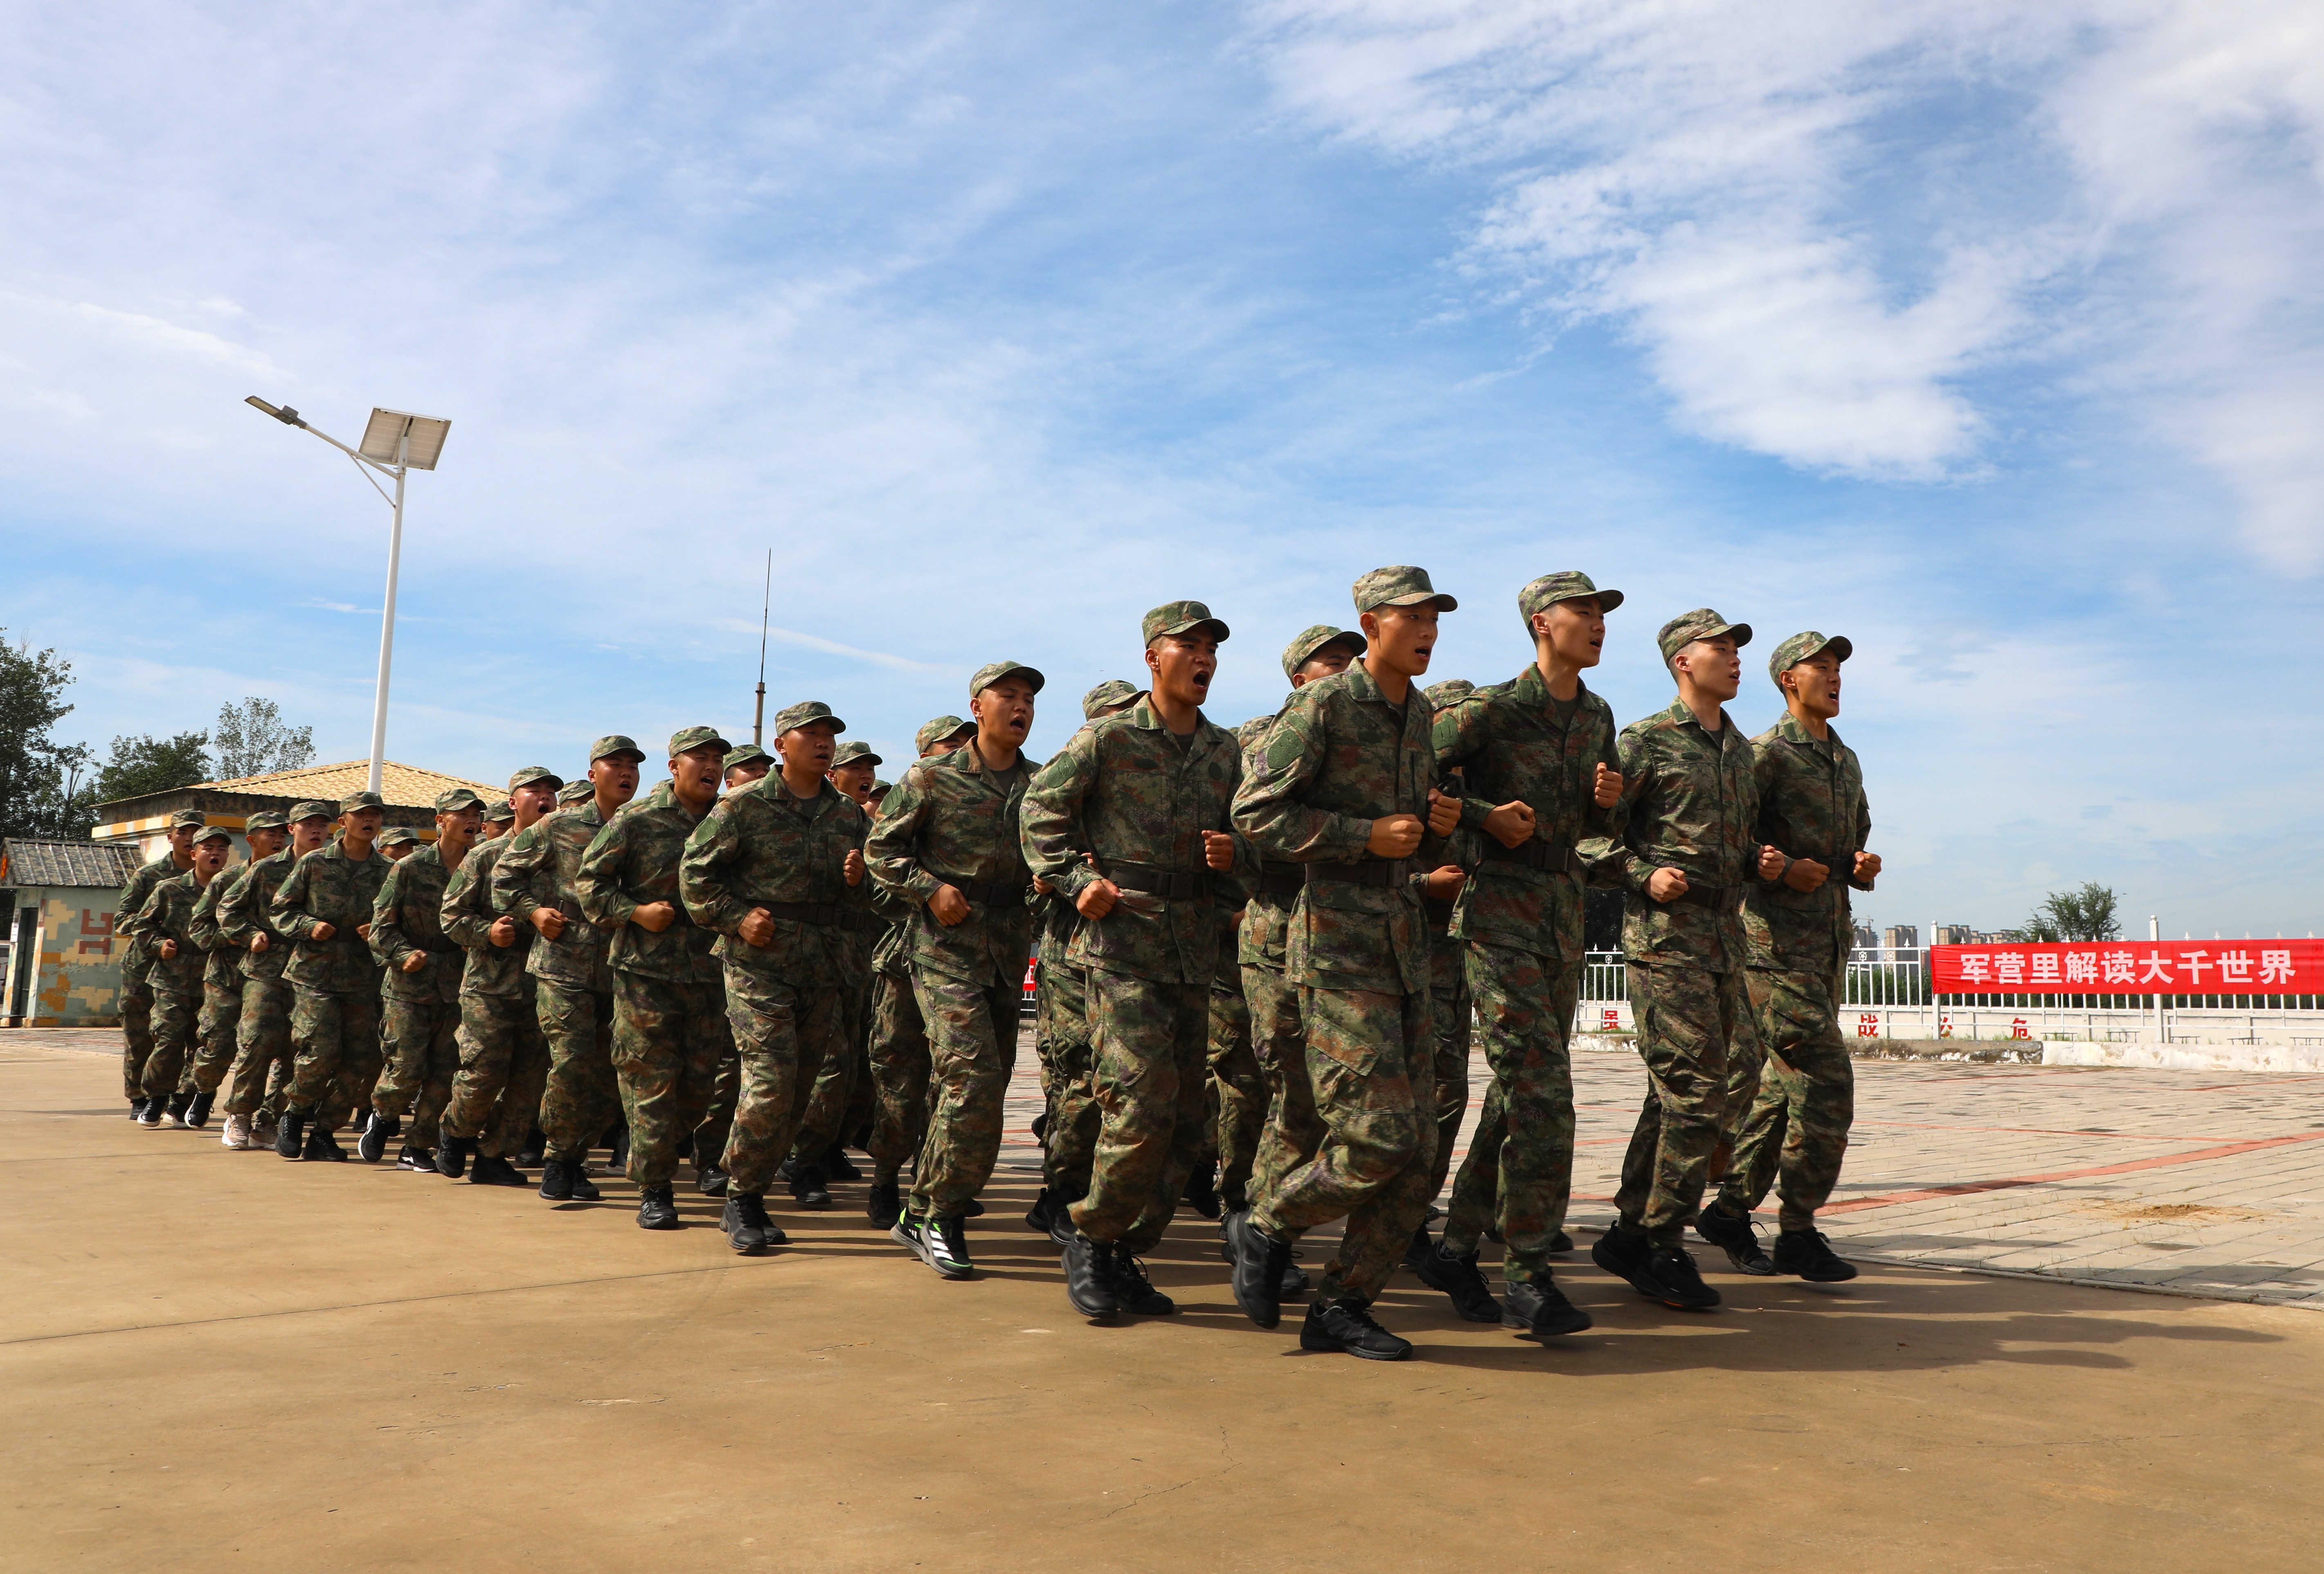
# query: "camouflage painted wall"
[[79, 981]]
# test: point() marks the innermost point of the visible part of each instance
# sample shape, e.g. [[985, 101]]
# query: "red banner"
[[2134, 967]]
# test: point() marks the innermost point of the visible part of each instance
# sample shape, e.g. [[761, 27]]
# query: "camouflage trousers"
[[503, 1069], [668, 1039], [972, 1053], [1367, 1088], [717, 1126], [1238, 1090], [419, 1045], [782, 1032], [1288, 1136], [1452, 1021], [897, 1059], [335, 1038], [176, 1021], [1518, 1176], [580, 1099], [1061, 1036], [1793, 1131], [136, 1037], [215, 1034], [261, 1043], [825, 1116], [1150, 1064], [1691, 1023]]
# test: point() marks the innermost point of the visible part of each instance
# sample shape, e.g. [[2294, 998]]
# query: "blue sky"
[[1992, 341]]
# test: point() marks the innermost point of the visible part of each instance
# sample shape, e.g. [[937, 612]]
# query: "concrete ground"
[[213, 1360]]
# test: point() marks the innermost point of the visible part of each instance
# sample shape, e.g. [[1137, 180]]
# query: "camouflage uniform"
[[333, 982], [221, 991], [1340, 757], [840, 1102], [174, 983], [136, 995], [262, 1039], [898, 1057], [1289, 1133], [952, 821], [1237, 1087], [1518, 918], [418, 1039], [764, 847], [1811, 804], [669, 1008], [503, 1055], [1689, 801], [572, 984], [1135, 798]]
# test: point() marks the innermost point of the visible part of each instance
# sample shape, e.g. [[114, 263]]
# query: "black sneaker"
[[837, 1166], [884, 1204], [1090, 1277], [1348, 1325], [1036, 1217], [972, 1208], [1458, 1277], [657, 1209], [948, 1248], [1736, 1236], [320, 1146], [1676, 1281], [1061, 1220], [806, 1187], [1259, 1265], [1134, 1290], [907, 1232], [535, 1151], [452, 1156], [711, 1181], [371, 1142], [1560, 1244], [1293, 1283], [618, 1150], [289, 1133], [1622, 1252], [585, 1190], [148, 1114], [556, 1180], [1808, 1254], [1541, 1309], [137, 1109], [1202, 1190], [415, 1159], [197, 1113], [1419, 1249], [744, 1220], [177, 1109], [492, 1171]]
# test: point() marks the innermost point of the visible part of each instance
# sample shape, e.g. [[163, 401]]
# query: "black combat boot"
[[1134, 1292], [1622, 1252], [1419, 1249], [1090, 1277], [838, 1167], [657, 1209], [1348, 1325], [1540, 1309], [291, 1131], [1036, 1217], [371, 1141], [319, 1146], [197, 1113], [1458, 1277], [452, 1156], [884, 1203], [1676, 1281], [1061, 1217], [1735, 1235], [1808, 1254], [744, 1220], [806, 1187], [1258, 1264], [1202, 1190]]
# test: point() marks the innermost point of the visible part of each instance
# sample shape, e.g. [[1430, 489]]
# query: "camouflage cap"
[[1441, 695], [1702, 623], [686, 738], [880, 790], [397, 835], [573, 792], [1105, 697], [497, 812], [187, 818], [1800, 648], [792, 717], [356, 801], [452, 800], [745, 754], [267, 819], [938, 730], [533, 773], [614, 743], [992, 672], [853, 754], [1177, 617], [214, 834], [1567, 584], [1309, 641], [313, 809], [1401, 586]]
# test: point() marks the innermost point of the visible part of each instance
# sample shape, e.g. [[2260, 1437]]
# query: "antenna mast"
[[759, 710]]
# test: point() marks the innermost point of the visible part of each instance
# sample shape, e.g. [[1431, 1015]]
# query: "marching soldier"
[[245, 919], [746, 763], [137, 997], [265, 832], [165, 926], [325, 908], [421, 967]]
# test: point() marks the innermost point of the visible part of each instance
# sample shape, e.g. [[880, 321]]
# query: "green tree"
[[32, 764], [251, 740], [143, 765], [2086, 913]]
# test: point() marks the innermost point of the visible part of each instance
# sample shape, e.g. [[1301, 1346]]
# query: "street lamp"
[[393, 442]]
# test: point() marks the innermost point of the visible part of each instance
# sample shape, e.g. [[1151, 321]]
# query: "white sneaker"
[[236, 1135]]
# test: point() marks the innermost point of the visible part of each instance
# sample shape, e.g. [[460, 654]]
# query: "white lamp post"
[[392, 442]]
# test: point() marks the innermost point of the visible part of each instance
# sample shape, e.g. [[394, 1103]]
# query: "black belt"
[[1717, 899], [1370, 871], [1281, 879], [990, 893], [827, 914], [1535, 855], [1163, 882]]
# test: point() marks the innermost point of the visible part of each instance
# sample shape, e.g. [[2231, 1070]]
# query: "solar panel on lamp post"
[[393, 442]]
